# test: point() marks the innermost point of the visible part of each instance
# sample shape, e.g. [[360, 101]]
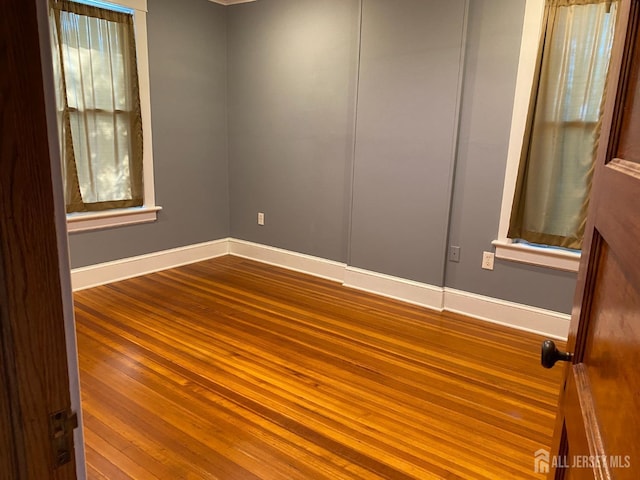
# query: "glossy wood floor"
[[231, 369]]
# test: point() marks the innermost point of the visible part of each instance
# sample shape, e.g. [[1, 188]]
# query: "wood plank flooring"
[[232, 369]]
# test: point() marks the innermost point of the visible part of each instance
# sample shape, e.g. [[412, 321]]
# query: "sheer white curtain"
[[554, 181], [100, 107]]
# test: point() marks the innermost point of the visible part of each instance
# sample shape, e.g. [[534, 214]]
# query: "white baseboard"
[[510, 314], [515, 315], [319, 267], [108, 272], [394, 287]]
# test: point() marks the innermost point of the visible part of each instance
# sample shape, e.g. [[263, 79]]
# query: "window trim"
[[83, 221], [556, 258]]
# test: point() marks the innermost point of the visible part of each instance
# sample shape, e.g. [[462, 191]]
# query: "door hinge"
[[61, 426]]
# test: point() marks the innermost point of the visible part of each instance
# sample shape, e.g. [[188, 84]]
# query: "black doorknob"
[[550, 354]]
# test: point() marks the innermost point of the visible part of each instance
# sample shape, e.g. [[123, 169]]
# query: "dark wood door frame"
[[611, 257], [34, 294]]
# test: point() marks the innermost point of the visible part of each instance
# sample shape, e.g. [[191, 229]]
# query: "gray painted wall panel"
[[289, 77], [187, 62], [493, 46], [406, 119], [292, 73]]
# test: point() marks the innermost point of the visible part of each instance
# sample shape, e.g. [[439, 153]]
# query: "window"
[[557, 124], [103, 112]]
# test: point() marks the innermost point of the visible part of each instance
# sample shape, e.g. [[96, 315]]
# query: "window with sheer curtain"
[[563, 127], [99, 114]]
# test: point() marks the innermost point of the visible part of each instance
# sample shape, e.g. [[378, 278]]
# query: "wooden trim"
[[611, 120], [300, 262], [9, 458], [511, 314], [579, 393], [84, 221], [619, 74], [34, 360], [417, 293], [108, 272], [555, 258]]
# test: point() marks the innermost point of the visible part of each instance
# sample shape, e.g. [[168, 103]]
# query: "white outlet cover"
[[487, 260]]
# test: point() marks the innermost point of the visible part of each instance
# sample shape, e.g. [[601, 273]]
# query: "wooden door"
[[598, 425], [33, 362]]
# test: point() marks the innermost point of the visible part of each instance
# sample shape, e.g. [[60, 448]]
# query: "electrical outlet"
[[487, 260], [260, 218], [454, 253]]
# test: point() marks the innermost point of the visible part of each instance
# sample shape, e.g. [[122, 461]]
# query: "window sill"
[[85, 221], [543, 257]]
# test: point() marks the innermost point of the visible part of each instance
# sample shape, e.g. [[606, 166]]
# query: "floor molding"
[[319, 267], [108, 272], [394, 287], [515, 315]]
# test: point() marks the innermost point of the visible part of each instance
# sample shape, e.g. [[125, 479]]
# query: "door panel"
[[612, 355], [598, 423], [585, 446], [584, 433]]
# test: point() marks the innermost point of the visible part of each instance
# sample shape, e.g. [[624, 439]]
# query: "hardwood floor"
[[232, 369]]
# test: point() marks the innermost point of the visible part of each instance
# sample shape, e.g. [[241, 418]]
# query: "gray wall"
[[397, 220], [406, 127], [493, 45], [286, 71], [292, 78], [187, 62]]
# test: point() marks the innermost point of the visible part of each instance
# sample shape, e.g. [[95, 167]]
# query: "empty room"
[[320, 239]]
